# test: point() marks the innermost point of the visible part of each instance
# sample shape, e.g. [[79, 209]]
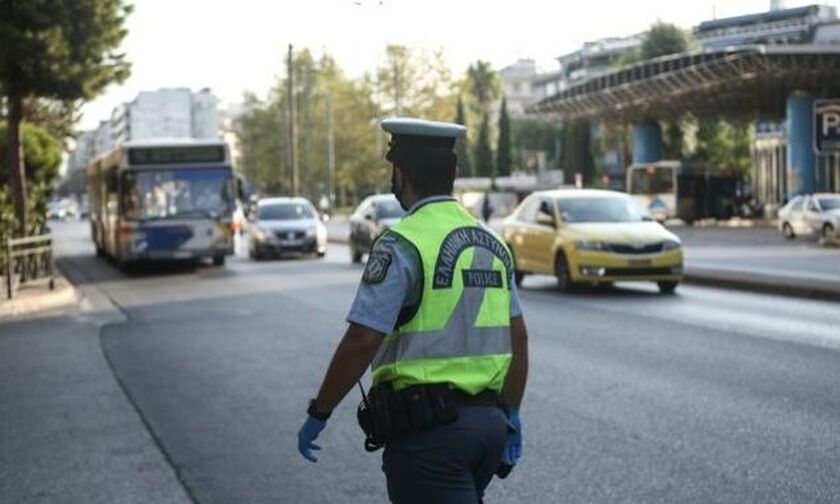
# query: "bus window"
[[652, 180], [164, 194]]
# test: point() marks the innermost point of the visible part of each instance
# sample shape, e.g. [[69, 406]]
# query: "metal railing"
[[28, 259]]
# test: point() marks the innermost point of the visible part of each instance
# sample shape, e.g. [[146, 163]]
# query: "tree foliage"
[[63, 50], [484, 151], [663, 39], [42, 153], [503, 146], [462, 148]]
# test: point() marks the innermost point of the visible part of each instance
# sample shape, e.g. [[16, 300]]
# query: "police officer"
[[436, 315]]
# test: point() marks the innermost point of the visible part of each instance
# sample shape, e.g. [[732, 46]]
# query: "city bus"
[[678, 190], [163, 200]]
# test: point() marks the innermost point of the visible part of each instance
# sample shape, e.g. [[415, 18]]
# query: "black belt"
[[483, 398]]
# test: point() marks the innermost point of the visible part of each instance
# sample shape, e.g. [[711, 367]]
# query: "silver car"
[[283, 226], [372, 217], [811, 214]]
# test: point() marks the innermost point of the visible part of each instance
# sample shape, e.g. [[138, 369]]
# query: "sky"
[[234, 46]]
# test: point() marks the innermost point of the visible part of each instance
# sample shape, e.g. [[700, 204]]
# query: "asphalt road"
[[706, 396]]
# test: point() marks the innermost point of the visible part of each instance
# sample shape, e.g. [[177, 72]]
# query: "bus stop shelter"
[[771, 82]]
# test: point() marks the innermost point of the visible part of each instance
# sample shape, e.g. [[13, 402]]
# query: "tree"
[[483, 84], [503, 147], [484, 151], [462, 144], [413, 82], [663, 39], [577, 150], [42, 154], [64, 50]]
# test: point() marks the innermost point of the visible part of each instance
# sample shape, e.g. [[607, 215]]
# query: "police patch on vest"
[[459, 240], [377, 267], [482, 278]]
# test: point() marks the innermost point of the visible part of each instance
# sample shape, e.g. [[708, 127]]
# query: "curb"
[[762, 284], [28, 302]]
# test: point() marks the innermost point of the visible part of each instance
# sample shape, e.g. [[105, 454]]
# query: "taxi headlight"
[[310, 232], [670, 245], [591, 245]]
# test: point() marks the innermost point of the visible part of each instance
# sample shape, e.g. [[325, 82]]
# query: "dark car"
[[371, 218]]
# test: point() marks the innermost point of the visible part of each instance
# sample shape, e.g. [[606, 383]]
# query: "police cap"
[[411, 136]]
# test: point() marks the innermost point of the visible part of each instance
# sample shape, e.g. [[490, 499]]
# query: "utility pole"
[[330, 152], [292, 132]]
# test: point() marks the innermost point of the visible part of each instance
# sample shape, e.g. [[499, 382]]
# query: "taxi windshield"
[[605, 209]]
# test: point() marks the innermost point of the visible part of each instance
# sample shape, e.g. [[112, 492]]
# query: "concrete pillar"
[[647, 142], [800, 153]]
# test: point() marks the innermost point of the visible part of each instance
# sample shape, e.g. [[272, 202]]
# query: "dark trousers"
[[449, 464]]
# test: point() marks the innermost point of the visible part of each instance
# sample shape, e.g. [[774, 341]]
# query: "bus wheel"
[[667, 287], [219, 260], [787, 230], [561, 271]]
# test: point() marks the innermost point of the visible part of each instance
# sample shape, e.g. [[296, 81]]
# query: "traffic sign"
[[827, 125]]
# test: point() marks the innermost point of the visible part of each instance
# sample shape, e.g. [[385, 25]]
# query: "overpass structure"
[[760, 82]]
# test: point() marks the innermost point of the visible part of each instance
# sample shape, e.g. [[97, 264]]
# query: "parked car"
[[371, 218], [590, 236], [284, 226], [811, 214]]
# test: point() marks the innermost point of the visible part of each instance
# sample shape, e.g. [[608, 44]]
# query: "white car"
[[811, 214], [283, 226]]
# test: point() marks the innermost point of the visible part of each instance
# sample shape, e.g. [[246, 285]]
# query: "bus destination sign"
[[176, 155]]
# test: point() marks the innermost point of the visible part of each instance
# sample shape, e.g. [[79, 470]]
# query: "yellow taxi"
[[591, 236]]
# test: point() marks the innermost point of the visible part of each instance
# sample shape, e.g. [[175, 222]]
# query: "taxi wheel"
[[667, 287], [561, 271], [826, 234], [787, 230]]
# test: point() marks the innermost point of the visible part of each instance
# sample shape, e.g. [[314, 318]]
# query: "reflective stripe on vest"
[[461, 331]]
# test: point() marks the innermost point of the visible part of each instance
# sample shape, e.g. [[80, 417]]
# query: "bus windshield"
[[652, 180], [177, 193]]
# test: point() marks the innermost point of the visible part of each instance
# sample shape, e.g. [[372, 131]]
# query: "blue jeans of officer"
[[453, 463]]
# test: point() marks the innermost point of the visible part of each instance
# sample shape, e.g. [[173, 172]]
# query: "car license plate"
[[291, 243], [639, 262], [182, 254]]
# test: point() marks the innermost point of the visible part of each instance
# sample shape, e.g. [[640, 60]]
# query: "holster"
[[386, 414]]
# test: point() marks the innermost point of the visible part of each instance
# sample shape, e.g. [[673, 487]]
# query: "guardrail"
[[28, 259]]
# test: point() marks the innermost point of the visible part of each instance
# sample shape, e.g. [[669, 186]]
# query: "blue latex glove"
[[307, 435], [513, 448]]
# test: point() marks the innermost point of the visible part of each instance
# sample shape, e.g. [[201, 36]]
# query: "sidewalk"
[[38, 298]]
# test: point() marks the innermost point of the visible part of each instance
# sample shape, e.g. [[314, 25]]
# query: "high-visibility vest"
[[460, 333]]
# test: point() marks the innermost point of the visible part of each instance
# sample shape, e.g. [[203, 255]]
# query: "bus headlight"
[[591, 245]]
